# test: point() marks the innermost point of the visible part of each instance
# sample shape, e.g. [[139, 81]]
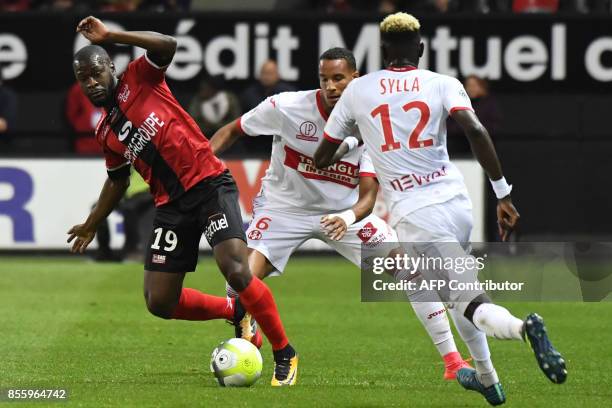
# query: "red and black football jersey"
[[148, 128]]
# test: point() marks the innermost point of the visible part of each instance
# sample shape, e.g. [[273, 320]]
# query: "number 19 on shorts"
[[169, 243]]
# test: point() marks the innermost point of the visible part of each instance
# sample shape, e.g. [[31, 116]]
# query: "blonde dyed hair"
[[400, 23]]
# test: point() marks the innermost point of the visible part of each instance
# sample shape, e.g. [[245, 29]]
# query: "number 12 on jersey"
[[413, 138]]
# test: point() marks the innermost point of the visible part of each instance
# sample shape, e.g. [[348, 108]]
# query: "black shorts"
[[210, 208]]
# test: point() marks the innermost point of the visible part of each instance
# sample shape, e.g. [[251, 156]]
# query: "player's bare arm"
[[335, 225], [346, 146], [325, 154], [225, 137], [111, 194], [484, 151], [160, 48]]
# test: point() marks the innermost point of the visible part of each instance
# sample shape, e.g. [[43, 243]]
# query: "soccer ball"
[[236, 363]]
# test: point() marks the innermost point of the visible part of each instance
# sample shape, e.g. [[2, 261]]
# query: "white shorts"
[[450, 221], [277, 234], [442, 231]]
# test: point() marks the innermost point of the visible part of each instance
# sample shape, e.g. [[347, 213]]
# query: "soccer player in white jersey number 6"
[[401, 113], [298, 202]]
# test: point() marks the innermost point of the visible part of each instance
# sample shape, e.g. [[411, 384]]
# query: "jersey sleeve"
[[341, 122], [117, 166], [264, 119], [366, 168], [145, 69], [454, 97]]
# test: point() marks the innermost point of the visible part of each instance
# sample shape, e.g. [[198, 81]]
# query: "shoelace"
[[281, 370]]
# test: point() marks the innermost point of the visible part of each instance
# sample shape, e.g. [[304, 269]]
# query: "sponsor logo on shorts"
[[255, 235], [367, 232], [158, 259], [308, 130], [216, 223]]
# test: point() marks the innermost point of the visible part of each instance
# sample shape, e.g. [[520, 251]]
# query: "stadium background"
[[548, 73], [551, 72]]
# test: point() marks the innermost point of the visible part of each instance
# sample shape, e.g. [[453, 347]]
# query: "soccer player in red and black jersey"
[[145, 127]]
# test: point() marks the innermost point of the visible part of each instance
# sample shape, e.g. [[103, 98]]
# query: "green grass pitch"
[[69, 323]]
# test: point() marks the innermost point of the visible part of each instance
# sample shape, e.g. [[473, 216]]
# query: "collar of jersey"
[[320, 106], [401, 69]]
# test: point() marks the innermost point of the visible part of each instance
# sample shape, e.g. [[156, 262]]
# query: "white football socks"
[[476, 342], [433, 317], [496, 321]]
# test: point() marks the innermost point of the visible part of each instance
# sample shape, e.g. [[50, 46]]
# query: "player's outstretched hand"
[[507, 217], [333, 226], [93, 29], [83, 235]]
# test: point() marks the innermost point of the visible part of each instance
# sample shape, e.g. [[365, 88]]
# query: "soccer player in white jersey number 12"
[[400, 112], [298, 202]]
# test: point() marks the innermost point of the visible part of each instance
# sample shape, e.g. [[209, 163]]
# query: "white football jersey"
[[401, 115], [292, 183]]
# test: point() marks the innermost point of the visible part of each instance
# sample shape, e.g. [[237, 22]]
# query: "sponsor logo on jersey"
[[158, 259], [216, 223], [139, 137], [308, 130], [125, 131], [367, 232], [124, 94], [255, 235], [343, 173], [414, 180]]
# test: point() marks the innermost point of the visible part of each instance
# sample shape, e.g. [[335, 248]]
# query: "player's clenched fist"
[[93, 29], [83, 234], [507, 217]]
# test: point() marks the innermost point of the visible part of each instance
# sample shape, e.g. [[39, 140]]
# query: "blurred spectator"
[[83, 118], [14, 5], [585, 6], [479, 6], [61, 5], [335, 6], [269, 84], [119, 5], [234, 5], [137, 209], [441, 6], [486, 108], [389, 6], [213, 107], [535, 6], [64, 5], [164, 5], [8, 110], [437, 6]]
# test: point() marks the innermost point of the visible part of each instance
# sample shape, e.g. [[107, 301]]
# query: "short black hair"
[[87, 52], [340, 53]]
